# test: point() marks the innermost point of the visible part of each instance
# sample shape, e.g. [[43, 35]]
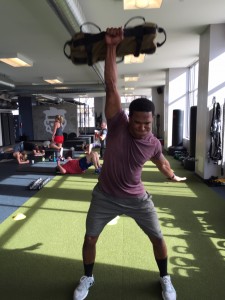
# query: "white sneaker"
[[61, 152], [168, 291], [82, 289]]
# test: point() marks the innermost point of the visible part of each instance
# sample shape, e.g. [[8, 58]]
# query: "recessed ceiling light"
[[16, 60], [129, 88], [131, 59], [61, 88], [56, 80], [128, 94], [141, 4], [131, 78]]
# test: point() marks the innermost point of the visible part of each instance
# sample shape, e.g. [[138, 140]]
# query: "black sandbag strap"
[[161, 30], [134, 18], [129, 32], [68, 43], [89, 23], [88, 38], [138, 32], [88, 42], [89, 46]]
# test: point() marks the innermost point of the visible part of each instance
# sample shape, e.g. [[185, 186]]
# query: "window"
[[193, 84], [126, 100], [192, 99], [85, 112]]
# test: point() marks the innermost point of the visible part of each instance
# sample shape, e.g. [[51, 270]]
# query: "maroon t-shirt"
[[124, 158], [73, 167]]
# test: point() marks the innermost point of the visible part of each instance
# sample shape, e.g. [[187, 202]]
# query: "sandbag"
[[89, 48]]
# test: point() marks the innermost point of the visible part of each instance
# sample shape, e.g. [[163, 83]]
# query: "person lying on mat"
[[120, 190], [16, 152], [38, 150], [21, 157], [79, 166]]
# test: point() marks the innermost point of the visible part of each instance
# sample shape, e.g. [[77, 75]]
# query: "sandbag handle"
[[90, 23], [161, 30], [133, 18], [68, 43]]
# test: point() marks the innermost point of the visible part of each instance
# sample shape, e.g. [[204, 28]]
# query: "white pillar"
[[210, 84]]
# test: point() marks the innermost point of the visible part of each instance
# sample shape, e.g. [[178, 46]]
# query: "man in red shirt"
[[79, 166]]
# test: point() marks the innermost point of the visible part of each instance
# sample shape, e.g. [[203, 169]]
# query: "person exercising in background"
[[21, 157], [57, 134], [38, 150], [101, 140], [79, 166], [101, 135], [120, 191], [16, 152]]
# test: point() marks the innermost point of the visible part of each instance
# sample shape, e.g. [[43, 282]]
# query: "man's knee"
[[90, 240], [157, 241]]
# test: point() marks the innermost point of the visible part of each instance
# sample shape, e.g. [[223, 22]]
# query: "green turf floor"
[[40, 256]]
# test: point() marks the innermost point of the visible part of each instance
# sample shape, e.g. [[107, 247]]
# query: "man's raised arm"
[[113, 103]]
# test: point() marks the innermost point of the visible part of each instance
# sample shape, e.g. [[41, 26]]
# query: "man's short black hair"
[[141, 104]]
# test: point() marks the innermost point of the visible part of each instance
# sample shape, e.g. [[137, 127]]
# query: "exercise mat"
[[39, 167]]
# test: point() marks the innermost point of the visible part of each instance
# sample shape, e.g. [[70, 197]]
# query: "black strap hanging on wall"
[[215, 149], [222, 133]]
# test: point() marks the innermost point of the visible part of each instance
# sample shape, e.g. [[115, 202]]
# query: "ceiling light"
[[61, 88], [56, 80], [131, 59], [129, 88], [17, 60], [130, 78], [141, 4], [128, 94]]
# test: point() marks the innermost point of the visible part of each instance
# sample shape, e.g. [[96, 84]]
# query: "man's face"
[[140, 124], [103, 125]]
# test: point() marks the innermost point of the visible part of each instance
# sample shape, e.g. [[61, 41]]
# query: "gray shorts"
[[104, 208]]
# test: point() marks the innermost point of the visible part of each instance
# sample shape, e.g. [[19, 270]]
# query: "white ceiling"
[[32, 28]]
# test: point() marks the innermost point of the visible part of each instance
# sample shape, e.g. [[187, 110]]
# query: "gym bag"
[[89, 48]]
